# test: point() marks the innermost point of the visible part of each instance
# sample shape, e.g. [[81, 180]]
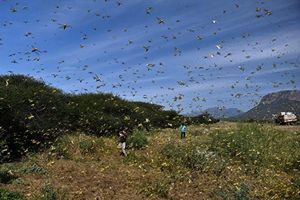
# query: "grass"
[[77, 147], [259, 147], [48, 193], [137, 140], [8, 195], [158, 187], [219, 161]]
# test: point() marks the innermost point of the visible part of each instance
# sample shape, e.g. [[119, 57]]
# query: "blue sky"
[[186, 55]]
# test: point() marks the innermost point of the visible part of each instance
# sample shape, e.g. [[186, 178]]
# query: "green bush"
[[8, 195], [158, 187], [60, 148], [241, 192], [173, 152], [193, 157], [6, 176], [86, 146], [137, 140], [48, 193]]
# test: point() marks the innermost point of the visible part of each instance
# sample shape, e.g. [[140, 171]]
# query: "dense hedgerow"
[[33, 115]]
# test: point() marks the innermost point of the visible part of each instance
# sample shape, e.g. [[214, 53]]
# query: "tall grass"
[[8, 195], [193, 156], [137, 140], [77, 147], [259, 146]]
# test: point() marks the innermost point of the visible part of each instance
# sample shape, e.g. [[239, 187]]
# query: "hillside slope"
[[34, 114], [273, 103], [219, 113]]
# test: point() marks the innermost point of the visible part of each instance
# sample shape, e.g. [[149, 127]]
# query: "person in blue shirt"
[[183, 129]]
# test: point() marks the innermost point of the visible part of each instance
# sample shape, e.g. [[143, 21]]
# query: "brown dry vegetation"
[[86, 167]]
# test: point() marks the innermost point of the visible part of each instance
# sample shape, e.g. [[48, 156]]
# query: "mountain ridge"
[[273, 103], [218, 112]]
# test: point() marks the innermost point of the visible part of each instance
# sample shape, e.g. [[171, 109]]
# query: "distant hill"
[[217, 112], [273, 103], [220, 113]]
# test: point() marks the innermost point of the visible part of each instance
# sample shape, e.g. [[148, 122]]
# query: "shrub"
[[173, 152], [8, 195], [243, 193], [158, 187], [296, 182], [193, 157], [86, 146], [60, 148], [131, 158], [77, 146], [137, 140], [245, 144], [48, 193]]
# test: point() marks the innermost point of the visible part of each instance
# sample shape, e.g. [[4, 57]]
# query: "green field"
[[218, 161]]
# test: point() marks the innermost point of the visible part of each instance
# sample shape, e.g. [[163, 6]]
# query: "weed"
[[158, 187], [34, 168], [20, 181], [134, 158], [77, 147], [224, 194], [137, 140], [296, 182], [193, 157], [60, 148], [48, 192], [86, 146], [8, 195], [243, 193], [258, 147], [173, 152]]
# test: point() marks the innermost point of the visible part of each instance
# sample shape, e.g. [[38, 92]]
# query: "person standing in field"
[[183, 129], [122, 142]]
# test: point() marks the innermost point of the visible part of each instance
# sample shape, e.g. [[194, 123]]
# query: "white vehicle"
[[285, 118]]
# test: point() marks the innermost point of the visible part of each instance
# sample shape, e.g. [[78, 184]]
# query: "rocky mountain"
[[273, 103]]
